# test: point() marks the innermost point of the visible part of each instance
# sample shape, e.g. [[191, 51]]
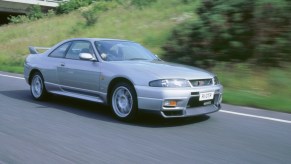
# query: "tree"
[[227, 30]]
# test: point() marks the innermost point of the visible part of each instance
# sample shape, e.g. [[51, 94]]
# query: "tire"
[[124, 102], [37, 87]]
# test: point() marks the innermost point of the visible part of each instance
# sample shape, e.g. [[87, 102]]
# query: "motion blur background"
[[247, 43]]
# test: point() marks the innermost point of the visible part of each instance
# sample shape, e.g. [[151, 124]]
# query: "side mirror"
[[86, 56]]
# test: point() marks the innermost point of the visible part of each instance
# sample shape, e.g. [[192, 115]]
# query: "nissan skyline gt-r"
[[124, 75]]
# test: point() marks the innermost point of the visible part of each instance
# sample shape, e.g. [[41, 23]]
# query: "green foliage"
[[72, 5], [142, 3], [272, 27], [92, 13], [151, 26], [18, 19], [34, 13], [241, 30], [50, 13], [269, 88], [90, 17]]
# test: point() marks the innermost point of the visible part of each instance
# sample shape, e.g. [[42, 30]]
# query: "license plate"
[[206, 96]]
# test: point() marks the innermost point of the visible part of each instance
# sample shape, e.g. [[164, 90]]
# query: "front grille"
[[194, 101], [201, 82], [195, 93]]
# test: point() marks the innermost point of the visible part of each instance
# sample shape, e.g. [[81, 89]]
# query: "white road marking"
[[224, 111], [256, 116], [15, 77]]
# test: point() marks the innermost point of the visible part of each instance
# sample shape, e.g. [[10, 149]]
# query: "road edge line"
[[12, 76], [256, 116]]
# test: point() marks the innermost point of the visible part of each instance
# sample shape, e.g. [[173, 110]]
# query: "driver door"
[[79, 76]]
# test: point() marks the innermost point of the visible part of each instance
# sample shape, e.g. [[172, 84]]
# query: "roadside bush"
[[92, 13], [50, 13], [71, 5], [18, 19], [227, 30], [141, 3], [90, 16], [34, 13], [272, 25]]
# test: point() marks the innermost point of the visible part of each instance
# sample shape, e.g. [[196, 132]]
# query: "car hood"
[[163, 70]]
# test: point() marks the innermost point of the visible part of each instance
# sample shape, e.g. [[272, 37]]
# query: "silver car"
[[124, 75]]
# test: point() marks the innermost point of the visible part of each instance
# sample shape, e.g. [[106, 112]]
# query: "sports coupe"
[[122, 74]]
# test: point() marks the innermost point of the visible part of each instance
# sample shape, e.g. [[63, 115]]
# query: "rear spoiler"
[[33, 50]]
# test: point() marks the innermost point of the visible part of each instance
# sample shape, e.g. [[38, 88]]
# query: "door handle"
[[62, 64]]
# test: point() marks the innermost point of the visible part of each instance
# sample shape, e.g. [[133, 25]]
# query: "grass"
[[13, 69], [244, 84], [149, 26], [248, 85]]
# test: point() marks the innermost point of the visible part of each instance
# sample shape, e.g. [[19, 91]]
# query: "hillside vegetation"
[[245, 31], [163, 27], [149, 26]]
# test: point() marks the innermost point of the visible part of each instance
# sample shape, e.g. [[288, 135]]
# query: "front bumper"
[[188, 104]]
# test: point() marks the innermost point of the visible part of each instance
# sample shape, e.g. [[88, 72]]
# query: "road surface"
[[64, 130]]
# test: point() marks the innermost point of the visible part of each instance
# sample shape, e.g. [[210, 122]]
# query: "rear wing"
[[34, 50]]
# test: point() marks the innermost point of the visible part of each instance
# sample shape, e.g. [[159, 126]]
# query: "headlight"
[[173, 83]]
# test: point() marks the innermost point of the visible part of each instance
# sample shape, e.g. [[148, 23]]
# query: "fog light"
[[170, 103]]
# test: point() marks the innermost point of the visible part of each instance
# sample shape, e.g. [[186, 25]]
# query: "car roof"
[[97, 39]]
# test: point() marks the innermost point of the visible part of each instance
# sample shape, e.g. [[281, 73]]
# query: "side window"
[[60, 51], [79, 47]]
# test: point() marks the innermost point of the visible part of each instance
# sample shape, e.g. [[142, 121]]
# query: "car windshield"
[[113, 50]]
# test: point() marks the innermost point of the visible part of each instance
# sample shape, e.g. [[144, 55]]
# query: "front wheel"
[[124, 102], [37, 87]]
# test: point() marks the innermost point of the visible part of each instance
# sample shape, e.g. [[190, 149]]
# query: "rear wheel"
[[37, 87], [124, 102]]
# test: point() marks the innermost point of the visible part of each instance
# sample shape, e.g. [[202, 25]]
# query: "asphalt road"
[[64, 130]]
